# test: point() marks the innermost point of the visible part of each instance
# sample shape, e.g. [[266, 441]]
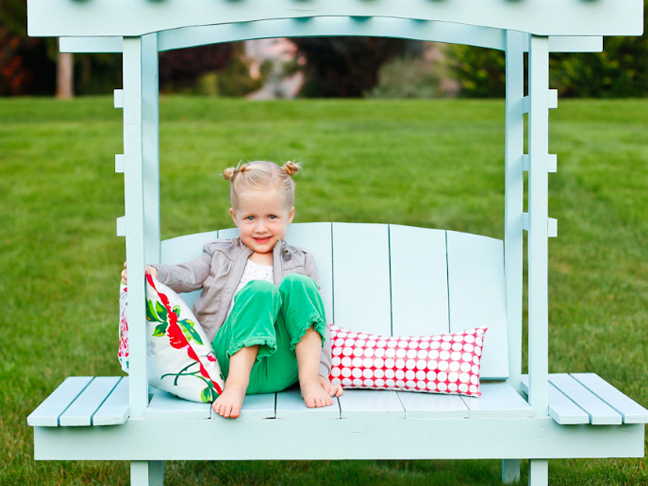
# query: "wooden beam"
[[514, 201], [447, 32], [136, 52], [59, 18], [538, 227], [517, 438]]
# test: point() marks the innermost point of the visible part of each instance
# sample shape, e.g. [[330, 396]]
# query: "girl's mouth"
[[262, 240]]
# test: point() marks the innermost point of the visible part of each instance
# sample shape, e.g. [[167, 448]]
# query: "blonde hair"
[[259, 175]]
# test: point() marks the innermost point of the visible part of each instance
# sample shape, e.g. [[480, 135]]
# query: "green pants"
[[275, 319]]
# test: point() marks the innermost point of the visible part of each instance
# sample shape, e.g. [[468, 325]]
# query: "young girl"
[[260, 302]]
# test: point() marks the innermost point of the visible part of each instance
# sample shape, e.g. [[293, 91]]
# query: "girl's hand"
[[152, 271], [332, 390]]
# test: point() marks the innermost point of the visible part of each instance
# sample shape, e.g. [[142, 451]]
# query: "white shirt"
[[253, 271]]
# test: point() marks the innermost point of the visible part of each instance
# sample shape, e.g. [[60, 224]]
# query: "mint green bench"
[[420, 281], [406, 281]]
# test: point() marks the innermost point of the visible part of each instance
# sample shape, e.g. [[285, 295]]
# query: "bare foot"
[[229, 403], [314, 394]]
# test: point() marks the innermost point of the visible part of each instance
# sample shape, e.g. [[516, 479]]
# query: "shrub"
[[406, 77]]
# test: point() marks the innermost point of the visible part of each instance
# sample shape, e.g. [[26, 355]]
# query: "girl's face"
[[262, 218]]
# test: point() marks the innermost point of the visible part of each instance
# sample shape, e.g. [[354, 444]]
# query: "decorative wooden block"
[[119, 98], [120, 163]]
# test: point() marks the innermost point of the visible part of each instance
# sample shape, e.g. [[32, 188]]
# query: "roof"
[[59, 18]]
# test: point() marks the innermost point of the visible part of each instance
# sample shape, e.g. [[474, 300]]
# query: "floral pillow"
[[181, 360], [448, 363]]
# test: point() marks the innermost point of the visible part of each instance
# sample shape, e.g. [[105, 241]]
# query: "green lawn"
[[436, 164]]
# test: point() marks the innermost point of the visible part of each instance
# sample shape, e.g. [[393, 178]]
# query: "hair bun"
[[229, 173], [291, 168]]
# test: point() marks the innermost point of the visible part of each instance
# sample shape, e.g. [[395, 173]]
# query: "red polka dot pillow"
[[447, 363]]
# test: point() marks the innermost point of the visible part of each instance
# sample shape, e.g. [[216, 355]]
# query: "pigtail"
[[231, 172], [291, 168]]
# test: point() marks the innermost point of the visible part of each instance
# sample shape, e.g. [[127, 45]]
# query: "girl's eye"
[[272, 216], [250, 218]]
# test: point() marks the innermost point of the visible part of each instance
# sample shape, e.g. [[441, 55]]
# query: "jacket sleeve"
[[310, 268], [185, 277]]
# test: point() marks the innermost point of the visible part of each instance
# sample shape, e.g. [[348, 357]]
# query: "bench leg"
[[510, 470], [538, 472], [147, 473]]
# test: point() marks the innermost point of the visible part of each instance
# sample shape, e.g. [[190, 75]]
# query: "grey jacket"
[[218, 272]]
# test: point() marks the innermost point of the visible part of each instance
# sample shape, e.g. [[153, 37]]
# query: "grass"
[[426, 163]]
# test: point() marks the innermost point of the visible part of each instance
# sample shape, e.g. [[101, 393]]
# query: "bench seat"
[[578, 398], [406, 425], [407, 282], [586, 398]]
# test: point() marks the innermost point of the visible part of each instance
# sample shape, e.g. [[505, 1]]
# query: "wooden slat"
[[419, 281], [228, 233], [48, 412], [256, 407], [498, 400], [290, 405], [140, 202], [185, 248], [369, 404], [115, 409], [631, 411], [477, 298], [165, 406], [316, 238], [537, 203], [88, 402], [514, 199], [561, 408], [362, 300], [600, 412], [432, 405]]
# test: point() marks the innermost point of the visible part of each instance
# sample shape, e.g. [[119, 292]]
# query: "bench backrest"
[[397, 280]]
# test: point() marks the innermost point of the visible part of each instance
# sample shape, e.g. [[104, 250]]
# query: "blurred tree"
[[25, 67], [621, 70], [180, 70], [345, 66], [97, 73], [65, 75], [406, 77], [480, 72]]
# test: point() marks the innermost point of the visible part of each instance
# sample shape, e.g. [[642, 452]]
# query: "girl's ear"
[[233, 215], [291, 215]]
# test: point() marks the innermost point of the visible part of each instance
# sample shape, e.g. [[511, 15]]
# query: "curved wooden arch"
[[446, 32], [334, 26]]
